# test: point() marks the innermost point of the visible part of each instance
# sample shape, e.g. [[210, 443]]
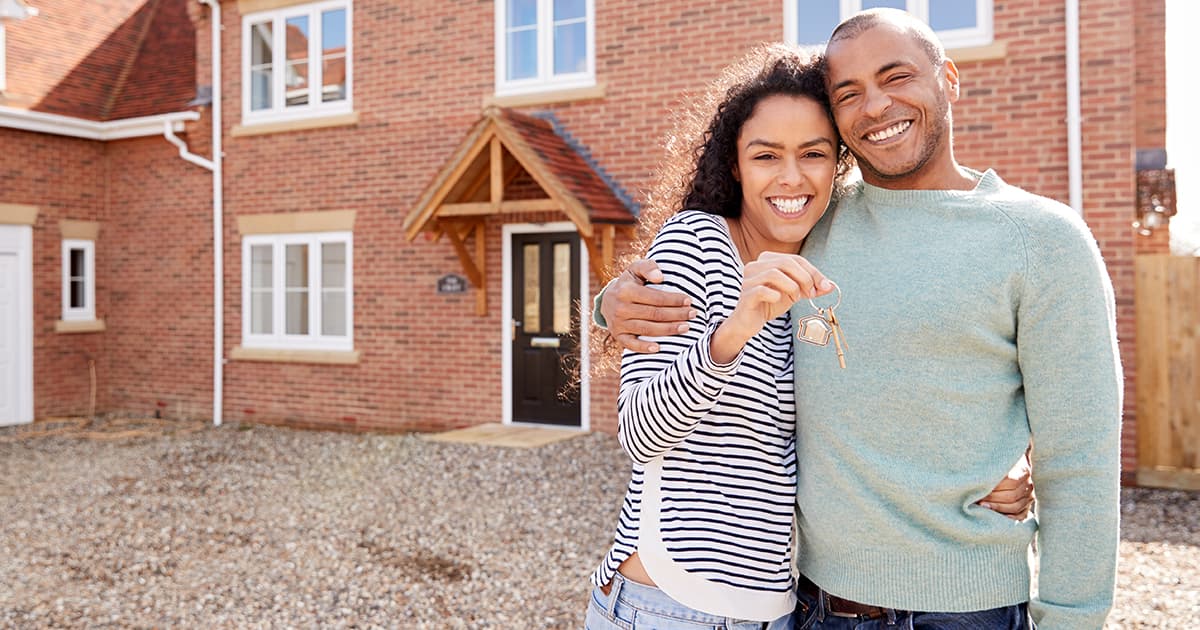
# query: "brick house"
[[411, 196]]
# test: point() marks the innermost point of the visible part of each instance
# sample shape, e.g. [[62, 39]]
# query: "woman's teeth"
[[880, 136], [789, 205]]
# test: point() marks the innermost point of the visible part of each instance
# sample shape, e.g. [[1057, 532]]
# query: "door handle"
[[513, 329]]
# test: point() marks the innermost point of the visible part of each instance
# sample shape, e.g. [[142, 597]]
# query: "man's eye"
[[845, 97], [898, 77]]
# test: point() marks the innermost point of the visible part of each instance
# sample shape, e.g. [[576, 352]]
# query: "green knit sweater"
[[975, 321]]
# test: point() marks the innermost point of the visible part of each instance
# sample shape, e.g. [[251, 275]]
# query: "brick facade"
[[421, 74]]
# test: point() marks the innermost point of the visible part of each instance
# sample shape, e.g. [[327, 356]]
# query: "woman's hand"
[[770, 285], [1013, 496]]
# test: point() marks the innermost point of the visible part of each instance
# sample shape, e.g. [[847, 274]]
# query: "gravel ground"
[[260, 527]]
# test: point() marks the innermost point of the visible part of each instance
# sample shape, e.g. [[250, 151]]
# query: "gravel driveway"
[[249, 527]]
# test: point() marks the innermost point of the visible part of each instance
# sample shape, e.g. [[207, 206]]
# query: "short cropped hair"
[[858, 23]]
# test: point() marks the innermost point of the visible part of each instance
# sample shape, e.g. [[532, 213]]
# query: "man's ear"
[[950, 75]]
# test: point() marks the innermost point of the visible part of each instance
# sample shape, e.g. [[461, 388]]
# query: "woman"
[[704, 537]]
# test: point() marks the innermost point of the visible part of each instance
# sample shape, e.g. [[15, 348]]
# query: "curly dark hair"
[[697, 172]]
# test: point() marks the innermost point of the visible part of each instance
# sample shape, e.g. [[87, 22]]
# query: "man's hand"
[[1013, 496], [633, 309]]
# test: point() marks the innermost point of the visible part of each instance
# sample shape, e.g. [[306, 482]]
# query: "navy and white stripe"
[[725, 433]]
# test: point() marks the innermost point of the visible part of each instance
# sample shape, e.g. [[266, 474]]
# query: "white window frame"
[[278, 339], [3, 59], [279, 110], [87, 312], [545, 80], [981, 35]]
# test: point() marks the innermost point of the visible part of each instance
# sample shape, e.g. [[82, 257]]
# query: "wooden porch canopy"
[[475, 184]]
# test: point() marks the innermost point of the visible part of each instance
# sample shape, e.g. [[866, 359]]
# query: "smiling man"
[[980, 318]]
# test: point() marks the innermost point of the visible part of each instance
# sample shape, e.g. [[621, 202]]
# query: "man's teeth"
[[790, 205], [880, 136]]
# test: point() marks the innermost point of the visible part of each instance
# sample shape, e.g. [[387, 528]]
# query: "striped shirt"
[[710, 503]]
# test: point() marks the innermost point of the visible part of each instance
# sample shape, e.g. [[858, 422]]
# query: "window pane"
[[297, 60], [78, 263], [333, 313], [532, 282], [296, 309], [522, 13], [297, 266], [815, 20], [77, 294], [569, 9], [333, 265], [570, 48], [260, 266], [562, 288], [260, 312], [333, 55], [296, 283], [522, 54], [261, 60], [892, 4], [945, 15]]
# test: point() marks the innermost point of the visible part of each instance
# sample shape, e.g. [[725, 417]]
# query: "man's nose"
[[876, 102]]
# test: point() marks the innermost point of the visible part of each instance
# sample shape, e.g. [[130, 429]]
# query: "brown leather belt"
[[839, 607]]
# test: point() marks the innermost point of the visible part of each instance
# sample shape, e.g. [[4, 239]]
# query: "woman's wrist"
[[728, 340]]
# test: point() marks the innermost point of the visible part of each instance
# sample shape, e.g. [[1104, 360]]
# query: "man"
[[979, 317]]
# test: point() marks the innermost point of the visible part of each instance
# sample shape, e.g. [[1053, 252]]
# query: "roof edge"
[[55, 124]]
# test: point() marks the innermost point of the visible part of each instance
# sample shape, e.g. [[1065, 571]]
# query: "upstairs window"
[[296, 62], [297, 291], [78, 280], [544, 45], [958, 23]]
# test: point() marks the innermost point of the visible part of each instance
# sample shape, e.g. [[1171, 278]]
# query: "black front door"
[[545, 328]]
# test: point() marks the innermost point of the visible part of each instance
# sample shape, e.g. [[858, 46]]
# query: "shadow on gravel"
[[1150, 515]]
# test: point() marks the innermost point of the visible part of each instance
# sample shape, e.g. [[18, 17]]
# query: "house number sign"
[[452, 283]]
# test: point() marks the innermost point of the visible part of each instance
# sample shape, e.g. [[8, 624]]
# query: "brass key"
[[839, 337]]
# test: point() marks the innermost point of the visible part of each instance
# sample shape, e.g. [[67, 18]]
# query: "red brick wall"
[[65, 178]]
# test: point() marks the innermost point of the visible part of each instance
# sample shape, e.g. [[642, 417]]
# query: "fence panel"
[[1167, 307]]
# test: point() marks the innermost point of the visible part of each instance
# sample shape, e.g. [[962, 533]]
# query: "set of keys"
[[822, 326]]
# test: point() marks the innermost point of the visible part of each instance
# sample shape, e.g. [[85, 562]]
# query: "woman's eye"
[[814, 155], [764, 156]]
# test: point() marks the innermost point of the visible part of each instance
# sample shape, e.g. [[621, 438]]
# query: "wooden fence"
[[1168, 371]]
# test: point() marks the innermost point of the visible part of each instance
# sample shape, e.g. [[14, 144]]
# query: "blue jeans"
[[633, 606], [812, 614]]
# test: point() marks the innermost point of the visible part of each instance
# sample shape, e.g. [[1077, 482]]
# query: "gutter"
[[58, 125], [218, 218], [1074, 115]]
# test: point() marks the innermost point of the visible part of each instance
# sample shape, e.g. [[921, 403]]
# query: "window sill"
[[994, 50], [316, 122], [79, 325], [551, 95], [332, 357]]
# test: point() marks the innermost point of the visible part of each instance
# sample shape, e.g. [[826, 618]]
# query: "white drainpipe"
[[1074, 114], [218, 219]]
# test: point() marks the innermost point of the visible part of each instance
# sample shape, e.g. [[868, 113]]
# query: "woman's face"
[[786, 164]]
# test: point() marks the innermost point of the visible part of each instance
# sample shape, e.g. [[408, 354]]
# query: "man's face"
[[892, 106]]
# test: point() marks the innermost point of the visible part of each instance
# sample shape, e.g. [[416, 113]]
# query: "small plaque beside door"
[[451, 283]]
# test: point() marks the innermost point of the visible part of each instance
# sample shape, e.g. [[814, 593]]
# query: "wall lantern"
[[1155, 200]]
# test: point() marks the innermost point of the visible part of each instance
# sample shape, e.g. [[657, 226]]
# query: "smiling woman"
[[761, 158]]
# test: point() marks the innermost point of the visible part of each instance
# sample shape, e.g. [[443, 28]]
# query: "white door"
[[16, 348]]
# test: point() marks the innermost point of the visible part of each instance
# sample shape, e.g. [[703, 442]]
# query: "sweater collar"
[[987, 181]]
